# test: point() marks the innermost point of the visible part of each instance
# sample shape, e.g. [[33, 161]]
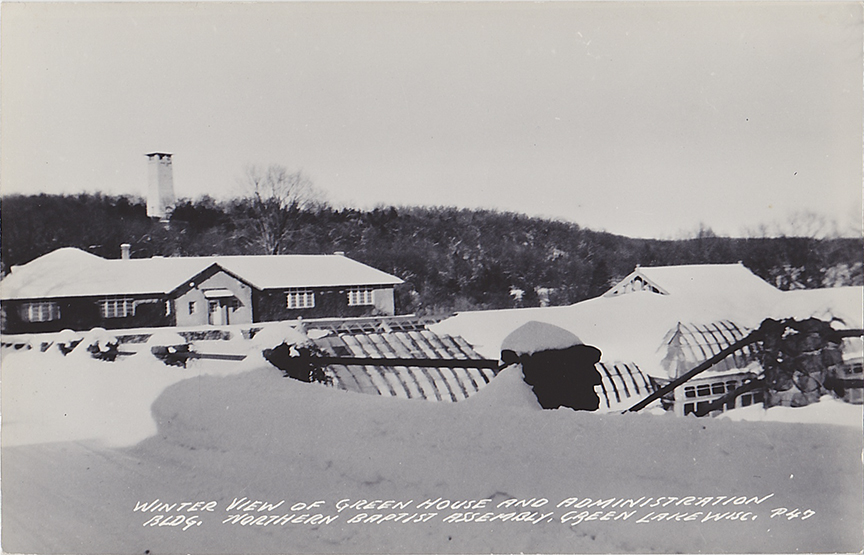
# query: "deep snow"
[[84, 441], [632, 327]]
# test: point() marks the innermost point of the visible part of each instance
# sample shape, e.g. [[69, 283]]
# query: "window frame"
[[299, 298], [360, 296], [28, 314], [117, 307]]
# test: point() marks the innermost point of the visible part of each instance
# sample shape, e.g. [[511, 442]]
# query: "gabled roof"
[[696, 279], [70, 272]]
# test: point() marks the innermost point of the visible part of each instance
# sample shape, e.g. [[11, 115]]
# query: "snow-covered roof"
[[635, 327], [696, 279], [303, 270], [70, 272], [843, 306], [625, 328]]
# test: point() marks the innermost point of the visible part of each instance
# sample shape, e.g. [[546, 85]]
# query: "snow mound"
[[273, 335], [534, 336], [165, 338], [508, 391], [47, 397]]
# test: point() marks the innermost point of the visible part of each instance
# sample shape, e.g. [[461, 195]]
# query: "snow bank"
[[48, 397], [219, 431], [827, 411], [261, 436], [228, 431]]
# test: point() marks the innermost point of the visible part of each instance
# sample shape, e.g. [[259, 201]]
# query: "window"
[[360, 296], [300, 298], [698, 396], [191, 307], [752, 398], [40, 312], [117, 308]]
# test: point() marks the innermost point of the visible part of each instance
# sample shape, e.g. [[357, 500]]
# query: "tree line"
[[450, 259]]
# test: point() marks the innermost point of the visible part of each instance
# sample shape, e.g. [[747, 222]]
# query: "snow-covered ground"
[[85, 442]]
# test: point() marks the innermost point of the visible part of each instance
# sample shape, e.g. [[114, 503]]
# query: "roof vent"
[[339, 253], [125, 251]]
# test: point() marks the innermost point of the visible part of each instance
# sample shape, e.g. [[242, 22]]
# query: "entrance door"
[[218, 312]]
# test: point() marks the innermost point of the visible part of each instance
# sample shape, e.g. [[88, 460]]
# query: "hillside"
[[450, 258]]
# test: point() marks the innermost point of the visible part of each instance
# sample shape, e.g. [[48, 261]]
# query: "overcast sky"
[[639, 119]]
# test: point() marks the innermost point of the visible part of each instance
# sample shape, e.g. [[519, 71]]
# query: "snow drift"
[[218, 432]]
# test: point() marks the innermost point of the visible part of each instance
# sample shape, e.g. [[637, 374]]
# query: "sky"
[[641, 119]]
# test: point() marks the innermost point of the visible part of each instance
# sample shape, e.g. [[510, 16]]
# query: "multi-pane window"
[[40, 312], [300, 298], [360, 296], [119, 307], [715, 391]]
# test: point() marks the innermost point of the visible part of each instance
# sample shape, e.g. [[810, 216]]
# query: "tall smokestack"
[[160, 190]]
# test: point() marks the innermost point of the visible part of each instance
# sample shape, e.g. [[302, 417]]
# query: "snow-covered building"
[[688, 345], [666, 320], [724, 282], [70, 288]]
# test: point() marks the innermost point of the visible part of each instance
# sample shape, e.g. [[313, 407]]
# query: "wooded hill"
[[450, 258]]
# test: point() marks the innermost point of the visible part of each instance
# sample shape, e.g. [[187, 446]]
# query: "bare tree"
[[273, 199], [809, 224]]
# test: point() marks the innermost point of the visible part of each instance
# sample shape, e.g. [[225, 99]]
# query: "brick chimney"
[[125, 251]]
